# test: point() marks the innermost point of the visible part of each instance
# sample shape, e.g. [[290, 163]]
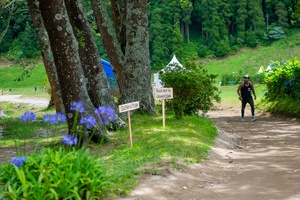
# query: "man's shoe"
[[242, 120], [254, 119]]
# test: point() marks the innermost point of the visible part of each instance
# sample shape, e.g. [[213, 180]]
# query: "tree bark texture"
[[48, 59], [64, 46], [98, 88], [126, 42]]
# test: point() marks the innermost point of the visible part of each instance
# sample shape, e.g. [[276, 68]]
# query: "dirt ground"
[[250, 160]]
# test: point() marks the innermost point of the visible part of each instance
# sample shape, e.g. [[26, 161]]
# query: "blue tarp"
[[109, 73]]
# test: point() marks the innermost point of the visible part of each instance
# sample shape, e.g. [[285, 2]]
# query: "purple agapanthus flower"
[[18, 161], [78, 106], [55, 118], [28, 117], [70, 140], [88, 121], [106, 114], [61, 118]]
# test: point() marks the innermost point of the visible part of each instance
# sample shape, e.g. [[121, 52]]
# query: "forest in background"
[[189, 29]]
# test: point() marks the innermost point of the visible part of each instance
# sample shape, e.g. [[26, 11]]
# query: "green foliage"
[[192, 87], [284, 80], [282, 14], [25, 45], [276, 33], [223, 48], [190, 52], [251, 39], [55, 174]]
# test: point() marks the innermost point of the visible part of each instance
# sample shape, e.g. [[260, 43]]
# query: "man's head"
[[246, 78]]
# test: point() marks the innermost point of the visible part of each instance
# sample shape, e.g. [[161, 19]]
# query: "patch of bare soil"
[[38, 102], [250, 160]]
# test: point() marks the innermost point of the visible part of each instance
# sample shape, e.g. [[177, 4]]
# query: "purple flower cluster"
[[78, 106], [106, 114], [70, 140], [57, 118], [88, 121], [18, 161], [28, 117]]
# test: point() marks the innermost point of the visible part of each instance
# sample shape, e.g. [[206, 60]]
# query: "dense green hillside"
[[187, 28], [247, 60], [250, 60]]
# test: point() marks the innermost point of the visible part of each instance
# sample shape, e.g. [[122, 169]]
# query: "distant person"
[[35, 88], [244, 91]]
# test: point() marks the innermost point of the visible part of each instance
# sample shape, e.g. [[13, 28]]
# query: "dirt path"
[[38, 102], [250, 161]]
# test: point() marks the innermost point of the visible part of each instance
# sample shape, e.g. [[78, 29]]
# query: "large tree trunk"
[[137, 58], [64, 46], [98, 88], [48, 59], [126, 43]]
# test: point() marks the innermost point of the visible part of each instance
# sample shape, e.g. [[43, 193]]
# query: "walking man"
[[244, 92]]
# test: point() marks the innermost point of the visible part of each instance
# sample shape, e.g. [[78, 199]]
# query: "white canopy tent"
[[172, 65]]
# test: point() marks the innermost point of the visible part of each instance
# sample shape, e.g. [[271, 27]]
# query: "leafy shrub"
[[223, 48], [283, 85], [54, 174], [193, 88], [276, 33], [284, 80]]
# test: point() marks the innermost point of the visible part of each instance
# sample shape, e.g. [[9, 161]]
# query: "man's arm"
[[239, 92], [253, 91]]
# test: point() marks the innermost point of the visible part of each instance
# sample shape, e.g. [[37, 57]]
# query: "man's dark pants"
[[244, 102]]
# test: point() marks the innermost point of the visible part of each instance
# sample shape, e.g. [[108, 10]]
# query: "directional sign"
[[129, 106], [163, 93]]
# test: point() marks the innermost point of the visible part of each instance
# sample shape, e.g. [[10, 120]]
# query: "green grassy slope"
[[8, 76], [250, 60]]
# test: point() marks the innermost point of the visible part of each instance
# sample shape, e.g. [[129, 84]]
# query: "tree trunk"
[[98, 88], [187, 32], [126, 43], [137, 59], [48, 59], [11, 12], [64, 46]]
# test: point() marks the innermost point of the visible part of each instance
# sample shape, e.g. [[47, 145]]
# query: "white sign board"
[[129, 106], [163, 93]]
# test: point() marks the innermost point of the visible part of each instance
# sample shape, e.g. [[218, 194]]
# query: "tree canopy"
[[187, 28]]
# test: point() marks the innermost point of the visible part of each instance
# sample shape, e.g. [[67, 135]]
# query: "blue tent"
[[109, 73]]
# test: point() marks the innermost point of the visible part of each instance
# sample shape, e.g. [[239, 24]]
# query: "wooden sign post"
[[162, 94], [128, 107]]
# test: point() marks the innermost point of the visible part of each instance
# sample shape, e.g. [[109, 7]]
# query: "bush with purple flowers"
[[41, 172], [106, 114], [69, 140], [54, 174], [28, 117], [78, 106], [58, 118], [89, 122], [18, 161]]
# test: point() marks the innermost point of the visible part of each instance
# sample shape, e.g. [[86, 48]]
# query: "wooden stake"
[[129, 127], [163, 112]]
